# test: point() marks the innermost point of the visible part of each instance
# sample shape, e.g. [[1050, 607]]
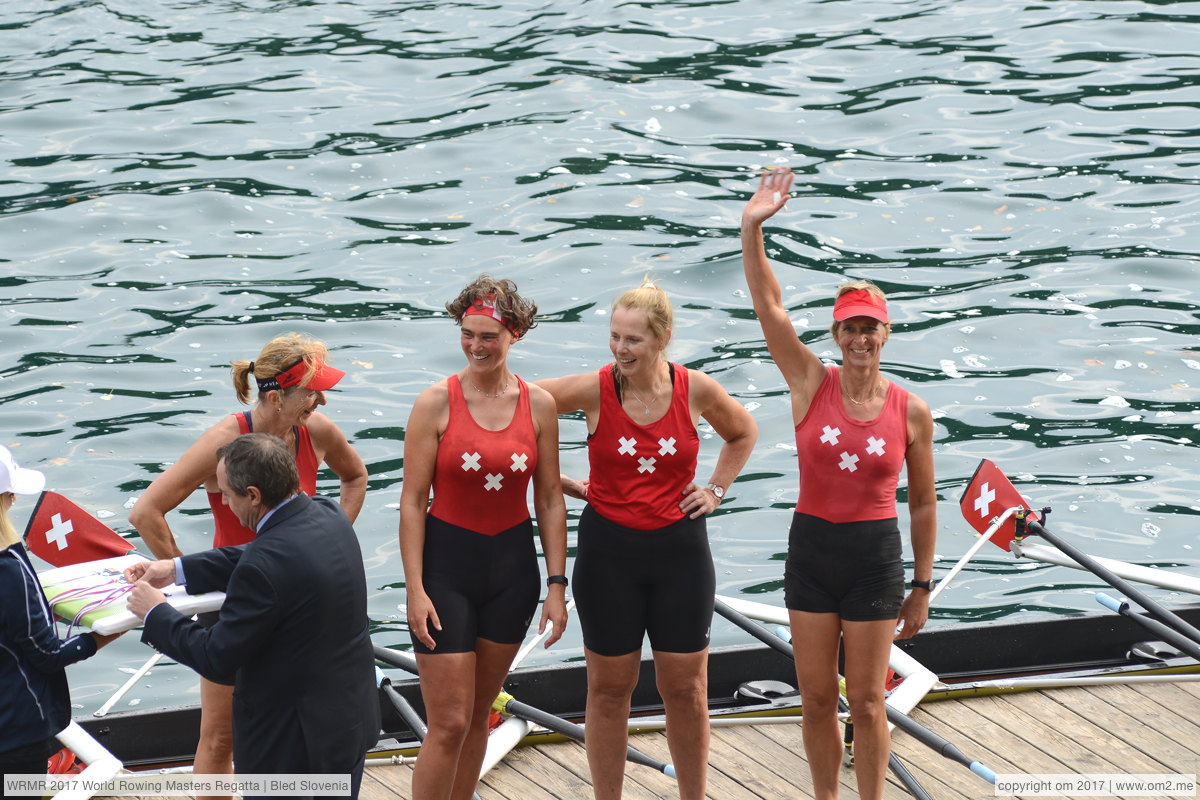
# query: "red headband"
[[860, 303], [487, 307], [325, 377]]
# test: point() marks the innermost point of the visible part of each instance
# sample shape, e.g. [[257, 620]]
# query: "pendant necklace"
[[638, 397], [485, 394]]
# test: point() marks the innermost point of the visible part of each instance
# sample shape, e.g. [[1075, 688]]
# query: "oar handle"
[[1168, 635], [506, 703], [983, 772]]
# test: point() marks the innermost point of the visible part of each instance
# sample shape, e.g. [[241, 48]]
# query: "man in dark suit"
[[293, 634]]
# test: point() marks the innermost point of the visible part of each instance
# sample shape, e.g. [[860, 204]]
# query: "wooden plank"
[[391, 782], [1141, 721], [556, 767], [958, 723]]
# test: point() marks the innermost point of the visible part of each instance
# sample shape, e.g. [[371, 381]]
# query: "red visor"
[[326, 377], [860, 303]]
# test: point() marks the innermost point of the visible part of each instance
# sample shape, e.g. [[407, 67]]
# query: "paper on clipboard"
[[94, 594]]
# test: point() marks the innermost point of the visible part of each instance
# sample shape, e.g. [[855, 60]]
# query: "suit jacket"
[[293, 635]]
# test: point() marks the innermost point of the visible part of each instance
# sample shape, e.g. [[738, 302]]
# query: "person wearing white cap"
[[35, 703]]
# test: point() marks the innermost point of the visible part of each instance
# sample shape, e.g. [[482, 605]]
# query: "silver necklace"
[[485, 394], [638, 397]]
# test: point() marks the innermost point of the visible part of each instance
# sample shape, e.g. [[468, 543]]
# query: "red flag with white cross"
[[62, 533], [989, 494]]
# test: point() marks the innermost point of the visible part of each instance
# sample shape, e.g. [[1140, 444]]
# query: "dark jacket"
[[293, 636], [35, 703]]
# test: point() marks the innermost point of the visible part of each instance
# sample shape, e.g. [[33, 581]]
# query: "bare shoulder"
[[919, 417]]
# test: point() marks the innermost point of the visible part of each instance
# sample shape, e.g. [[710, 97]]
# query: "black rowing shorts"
[[482, 587], [629, 583], [851, 569]]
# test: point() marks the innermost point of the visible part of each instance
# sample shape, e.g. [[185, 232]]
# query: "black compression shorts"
[[628, 583], [851, 569], [482, 587]]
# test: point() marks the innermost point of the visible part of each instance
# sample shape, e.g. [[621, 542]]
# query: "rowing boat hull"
[[1076, 644]]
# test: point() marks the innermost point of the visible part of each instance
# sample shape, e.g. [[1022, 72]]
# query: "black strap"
[[295, 430], [617, 382]]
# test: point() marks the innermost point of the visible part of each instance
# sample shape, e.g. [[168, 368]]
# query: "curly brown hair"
[[518, 311]]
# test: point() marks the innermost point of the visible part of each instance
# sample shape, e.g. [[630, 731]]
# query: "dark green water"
[[184, 180]]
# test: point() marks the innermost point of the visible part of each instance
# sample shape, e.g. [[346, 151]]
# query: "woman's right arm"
[[579, 392], [196, 466], [801, 368], [420, 459]]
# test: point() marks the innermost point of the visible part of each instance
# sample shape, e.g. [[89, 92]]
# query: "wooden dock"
[[1127, 730]]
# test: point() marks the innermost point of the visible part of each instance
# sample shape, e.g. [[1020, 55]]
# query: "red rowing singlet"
[[481, 479], [849, 469], [229, 530], [638, 472]]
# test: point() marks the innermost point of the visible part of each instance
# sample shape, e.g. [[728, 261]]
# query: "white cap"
[[15, 478]]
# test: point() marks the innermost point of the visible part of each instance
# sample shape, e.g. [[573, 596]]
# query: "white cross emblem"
[[666, 447], [58, 534], [470, 462], [984, 501], [848, 462], [875, 446], [830, 435], [627, 446], [493, 482], [518, 462], [647, 464]]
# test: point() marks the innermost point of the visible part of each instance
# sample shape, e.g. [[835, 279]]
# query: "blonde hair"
[[850, 286], [517, 310], [651, 300], [276, 356], [8, 534]]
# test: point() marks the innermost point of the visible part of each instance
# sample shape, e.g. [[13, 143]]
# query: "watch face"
[[718, 491]]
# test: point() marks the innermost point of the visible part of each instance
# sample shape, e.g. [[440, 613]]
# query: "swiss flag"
[[989, 494], [62, 533]]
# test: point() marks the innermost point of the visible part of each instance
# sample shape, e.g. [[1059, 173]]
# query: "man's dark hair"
[[261, 460]]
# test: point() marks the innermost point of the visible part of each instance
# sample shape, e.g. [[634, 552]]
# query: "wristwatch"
[[926, 585], [553, 579], [717, 490]]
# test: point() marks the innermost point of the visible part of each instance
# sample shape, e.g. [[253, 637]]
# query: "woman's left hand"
[[914, 612], [698, 501], [554, 611]]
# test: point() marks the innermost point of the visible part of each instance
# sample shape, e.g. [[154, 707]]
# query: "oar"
[[1157, 628], [404, 708], [525, 711], [1153, 608], [984, 538], [507, 704], [758, 632], [124, 690], [527, 648], [897, 718]]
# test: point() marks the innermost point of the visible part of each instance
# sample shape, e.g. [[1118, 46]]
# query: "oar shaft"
[[1169, 635], [897, 718], [573, 731], [1120, 584], [407, 713]]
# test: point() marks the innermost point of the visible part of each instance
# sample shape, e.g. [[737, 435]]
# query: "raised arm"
[[341, 457], [801, 368]]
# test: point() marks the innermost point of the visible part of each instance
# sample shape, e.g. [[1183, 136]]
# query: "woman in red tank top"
[[291, 377], [643, 567], [855, 430], [477, 440]]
